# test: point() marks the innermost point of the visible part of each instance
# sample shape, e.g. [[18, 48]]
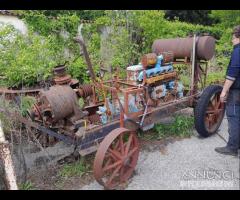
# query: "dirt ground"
[[48, 178]]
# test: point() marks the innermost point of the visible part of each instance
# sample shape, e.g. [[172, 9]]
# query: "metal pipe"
[[193, 62], [79, 39]]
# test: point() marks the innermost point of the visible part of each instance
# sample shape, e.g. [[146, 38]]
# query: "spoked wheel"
[[209, 111], [116, 158]]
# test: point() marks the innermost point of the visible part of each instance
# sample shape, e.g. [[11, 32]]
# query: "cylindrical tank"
[[182, 47], [59, 101]]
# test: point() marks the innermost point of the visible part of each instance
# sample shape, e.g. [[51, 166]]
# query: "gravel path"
[[190, 163]]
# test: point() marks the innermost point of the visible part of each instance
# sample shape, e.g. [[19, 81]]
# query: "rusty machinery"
[[112, 111]]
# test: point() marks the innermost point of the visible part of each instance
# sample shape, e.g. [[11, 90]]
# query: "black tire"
[[201, 108]]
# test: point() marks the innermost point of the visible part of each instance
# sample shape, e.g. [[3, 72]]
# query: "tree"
[[191, 16], [226, 18]]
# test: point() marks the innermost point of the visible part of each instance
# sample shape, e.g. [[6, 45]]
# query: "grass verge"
[[182, 127]]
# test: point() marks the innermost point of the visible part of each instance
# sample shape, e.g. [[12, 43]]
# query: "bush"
[[24, 60]]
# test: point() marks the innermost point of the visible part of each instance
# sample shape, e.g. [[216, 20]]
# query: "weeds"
[[7, 122], [26, 186], [26, 104], [78, 168], [182, 126]]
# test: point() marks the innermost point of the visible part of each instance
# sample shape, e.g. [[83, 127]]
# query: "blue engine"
[[171, 85], [157, 70]]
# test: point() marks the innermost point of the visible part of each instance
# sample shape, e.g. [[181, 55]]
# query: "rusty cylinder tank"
[[182, 47], [59, 101]]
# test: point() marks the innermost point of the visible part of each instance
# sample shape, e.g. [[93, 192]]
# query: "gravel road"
[[190, 163]]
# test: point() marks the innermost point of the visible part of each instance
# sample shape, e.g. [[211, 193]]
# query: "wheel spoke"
[[116, 145], [106, 168], [212, 100], [218, 102], [122, 174], [128, 144], [115, 154], [215, 102], [210, 123], [211, 104], [113, 175], [132, 152], [130, 165], [121, 144], [210, 111], [207, 121]]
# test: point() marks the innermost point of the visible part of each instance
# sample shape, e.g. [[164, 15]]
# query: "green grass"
[[182, 126], [26, 104], [8, 123], [78, 168], [215, 77], [26, 186]]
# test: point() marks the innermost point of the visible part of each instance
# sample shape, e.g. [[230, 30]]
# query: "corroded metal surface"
[[62, 80], [85, 90], [59, 102], [168, 57], [10, 94], [60, 75], [182, 47], [149, 59], [116, 158], [94, 118]]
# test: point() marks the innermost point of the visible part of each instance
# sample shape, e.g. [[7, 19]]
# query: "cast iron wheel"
[[116, 158], [209, 111]]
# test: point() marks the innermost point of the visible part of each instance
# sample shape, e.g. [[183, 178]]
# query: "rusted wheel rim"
[[116, 158], [214, 113]]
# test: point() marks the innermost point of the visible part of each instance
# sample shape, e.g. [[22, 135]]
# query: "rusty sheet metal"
[[182, 47], [10, 91], [162, 77]]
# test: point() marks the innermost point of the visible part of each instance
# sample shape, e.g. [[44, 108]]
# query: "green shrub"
[[28, 59]]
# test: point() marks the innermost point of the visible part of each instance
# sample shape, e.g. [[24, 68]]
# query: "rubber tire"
[[200, 109]]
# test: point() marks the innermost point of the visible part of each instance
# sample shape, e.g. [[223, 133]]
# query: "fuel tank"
[[182, 47]]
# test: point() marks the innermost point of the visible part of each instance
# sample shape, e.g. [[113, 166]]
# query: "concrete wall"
[[15, 21]]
